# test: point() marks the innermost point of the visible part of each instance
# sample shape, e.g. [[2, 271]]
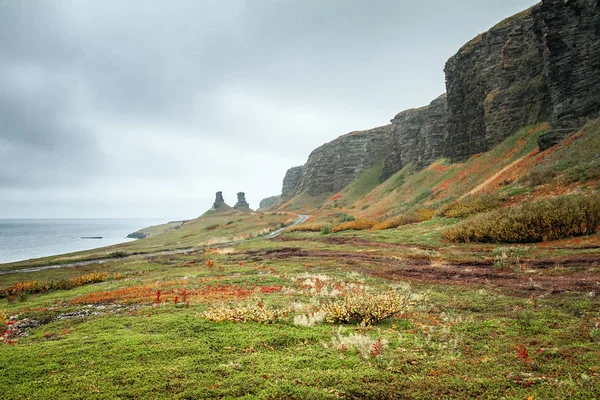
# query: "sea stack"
[[241, 201], [219, 201]]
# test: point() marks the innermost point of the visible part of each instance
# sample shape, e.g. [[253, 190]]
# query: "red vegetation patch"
[[336, 196], [166, 293]]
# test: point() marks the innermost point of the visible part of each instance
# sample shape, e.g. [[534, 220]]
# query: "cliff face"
[[268, 202], [333, 166], [416, 136], [539, 65], [291, 182], [570, 32], [495, 86]]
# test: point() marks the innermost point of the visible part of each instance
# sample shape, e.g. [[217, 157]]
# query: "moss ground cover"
[[131, 338]]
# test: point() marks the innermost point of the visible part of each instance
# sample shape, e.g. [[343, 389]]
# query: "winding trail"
[[299, 219]]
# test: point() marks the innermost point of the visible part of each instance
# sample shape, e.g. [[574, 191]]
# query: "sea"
[[23, 239]]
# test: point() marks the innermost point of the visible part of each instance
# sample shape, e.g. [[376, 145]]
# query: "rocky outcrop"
[[333, 166], [269, 202], [291, 182], [570, 32], [539, 65], [241, 202], [495, 86], [416, 137], [219, 201]]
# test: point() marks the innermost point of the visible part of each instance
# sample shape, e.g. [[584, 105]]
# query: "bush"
[[326, 230], [420, 215], [366, 308], [542, 220], [212, 227], [307, 228], [469, 206], [31, 287], [346, 218], [539, 176], [244, 313], [357, 225]]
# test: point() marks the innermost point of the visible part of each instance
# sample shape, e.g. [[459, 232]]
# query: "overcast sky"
[[147, 108]]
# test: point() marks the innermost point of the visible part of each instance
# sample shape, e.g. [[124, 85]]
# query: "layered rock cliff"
[[269, 202], [333, 166], [539, 65], [291, 182], [416, 137], [570, 31]]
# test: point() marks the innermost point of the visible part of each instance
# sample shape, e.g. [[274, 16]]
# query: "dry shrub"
[[307, 228], [364, 345], [245, 313], [469, 206], [366, 308], [309, 320], [420, 215], [31, 287], [358, 225], [542, 220]]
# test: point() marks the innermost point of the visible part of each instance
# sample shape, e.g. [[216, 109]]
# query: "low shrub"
[[358, 225], [346, 218], [309, 320], [364, 345], [326, 230], [31, 287], [366, 308], [245, 313], [542, 220], [470, 205], [212, 227], [420, 215], [307, 228], [538, 176]]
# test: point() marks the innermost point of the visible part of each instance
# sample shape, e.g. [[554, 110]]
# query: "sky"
[[146, 108]]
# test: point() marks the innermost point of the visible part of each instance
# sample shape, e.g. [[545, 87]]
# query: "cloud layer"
[[145, 108]]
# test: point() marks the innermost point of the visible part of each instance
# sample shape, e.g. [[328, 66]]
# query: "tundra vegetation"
[[459, 280]]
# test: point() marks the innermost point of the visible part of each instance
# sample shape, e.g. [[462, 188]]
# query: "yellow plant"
[[358, 225], [245, 313], [469, 206], [366, 308], [420, 215], [307, 228], [542, 220]]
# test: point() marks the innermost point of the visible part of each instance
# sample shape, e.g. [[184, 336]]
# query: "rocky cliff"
[[333, 166], [268, 202], [570, 32], [416, 137], [291, 182], [539, 65]]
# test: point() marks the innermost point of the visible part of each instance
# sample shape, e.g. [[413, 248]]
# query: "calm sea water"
[[22, 239]]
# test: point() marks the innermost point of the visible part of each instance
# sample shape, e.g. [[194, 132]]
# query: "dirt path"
[[492, 178]]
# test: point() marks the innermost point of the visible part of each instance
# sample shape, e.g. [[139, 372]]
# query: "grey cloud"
[[191, 97]]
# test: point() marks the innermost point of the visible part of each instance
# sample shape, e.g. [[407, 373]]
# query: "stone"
[[291, 182], [416, 137], [334, 165], [269, 202], [241, 201], [219, 201]]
